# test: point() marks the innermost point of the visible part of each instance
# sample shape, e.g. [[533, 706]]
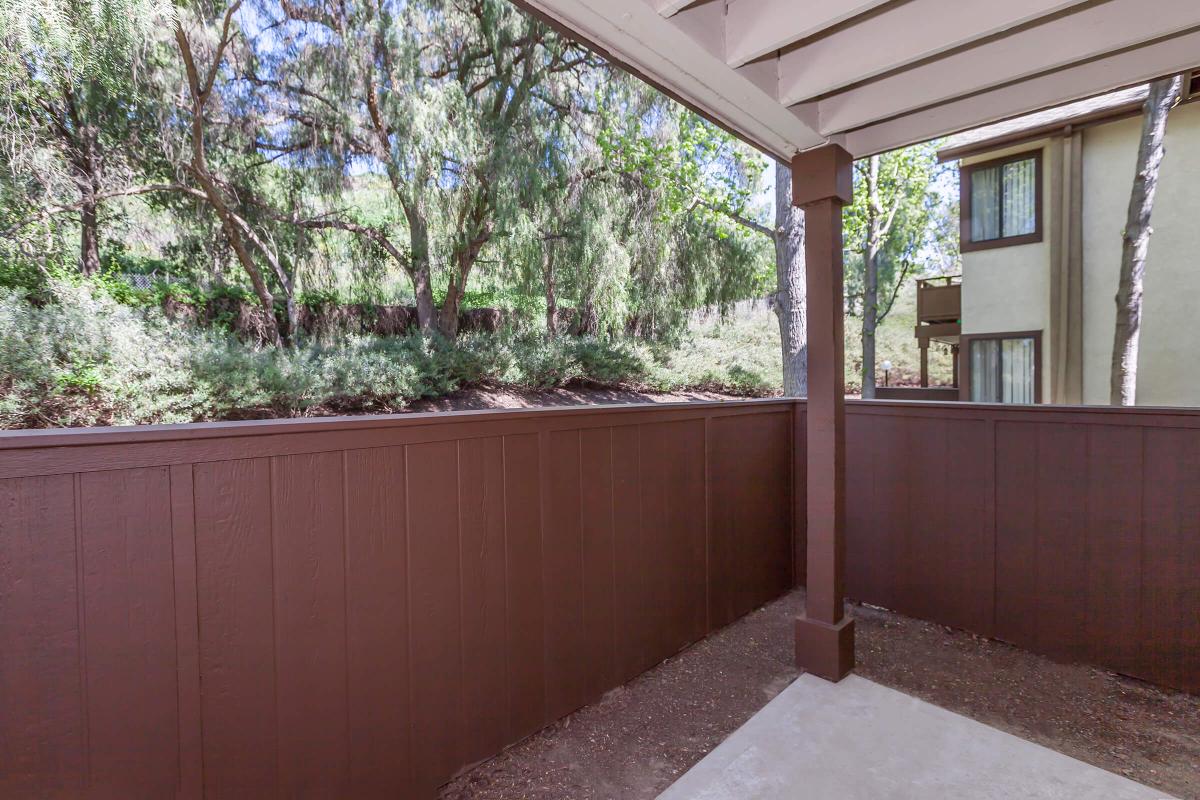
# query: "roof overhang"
[[873, 75]]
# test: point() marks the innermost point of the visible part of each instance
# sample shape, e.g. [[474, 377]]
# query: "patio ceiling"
[[872, 75]]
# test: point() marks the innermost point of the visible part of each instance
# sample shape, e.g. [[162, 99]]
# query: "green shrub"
[[83, 358]]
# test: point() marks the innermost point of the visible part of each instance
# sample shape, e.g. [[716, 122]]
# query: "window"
[[1001, 202], [1005, 368]]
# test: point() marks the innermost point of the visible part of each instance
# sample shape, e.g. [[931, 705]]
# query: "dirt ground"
[[634, 742]]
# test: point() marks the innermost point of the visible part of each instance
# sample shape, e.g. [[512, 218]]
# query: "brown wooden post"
[[822, 182], [924, 342]]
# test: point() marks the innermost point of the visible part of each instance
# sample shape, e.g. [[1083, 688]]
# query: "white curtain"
[[1020, 198], [985, 204], [985, 370], [1016, 361]]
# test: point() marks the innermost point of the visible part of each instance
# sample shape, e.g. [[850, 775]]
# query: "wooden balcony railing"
[[939, 300]]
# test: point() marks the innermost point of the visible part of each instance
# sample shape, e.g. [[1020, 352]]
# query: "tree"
[[702, 181], [791, 293], [74, 115], [890, 226], [1163, 95], [220, 194], [449, 101]]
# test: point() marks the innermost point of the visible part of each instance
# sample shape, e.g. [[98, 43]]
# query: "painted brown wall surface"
[[359, 608], [1071, 532]]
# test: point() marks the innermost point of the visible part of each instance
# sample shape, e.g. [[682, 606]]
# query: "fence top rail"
[[130, 434], [1126, 415]]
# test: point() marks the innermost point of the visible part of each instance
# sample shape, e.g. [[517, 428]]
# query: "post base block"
[[825, 650]]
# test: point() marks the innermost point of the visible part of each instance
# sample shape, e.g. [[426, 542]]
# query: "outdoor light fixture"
[[886, 367]]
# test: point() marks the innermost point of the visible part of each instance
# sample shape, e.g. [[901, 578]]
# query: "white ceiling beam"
[[668, 7], [1073, 83], [667, 56], [705, 25], [1091, 33], [898, 37], [754, 28]]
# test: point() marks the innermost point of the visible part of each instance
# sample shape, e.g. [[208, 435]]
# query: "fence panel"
[[1072, 532], [361, 607]]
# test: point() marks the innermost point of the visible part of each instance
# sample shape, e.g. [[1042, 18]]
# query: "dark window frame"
[[964, 361], [966, 244]]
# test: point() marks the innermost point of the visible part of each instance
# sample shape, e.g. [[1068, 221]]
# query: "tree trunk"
[[1163, 96], [475, 230], [790, 298], [89, 237], [423, 291], [448, 314], [419, 267], [870, 309], [237, 231], [549, 281]]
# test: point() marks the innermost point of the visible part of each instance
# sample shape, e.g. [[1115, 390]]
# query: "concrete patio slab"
[[857, 740]]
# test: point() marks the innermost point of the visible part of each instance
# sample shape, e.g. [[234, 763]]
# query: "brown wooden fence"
[[1072, 532], [358, 608]]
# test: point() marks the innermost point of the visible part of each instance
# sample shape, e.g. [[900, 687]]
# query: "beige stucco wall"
[[1169, 356], [1007, 289]]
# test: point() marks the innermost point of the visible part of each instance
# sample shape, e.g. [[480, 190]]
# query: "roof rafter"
[[1091, 33]]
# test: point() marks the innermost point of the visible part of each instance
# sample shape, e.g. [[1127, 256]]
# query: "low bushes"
[[83, 358]]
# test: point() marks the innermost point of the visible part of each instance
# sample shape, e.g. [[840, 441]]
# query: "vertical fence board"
[[310, 623], [525, 652], [42, 733], [234, 574], [416, 606], [868, 568], [1062, 512], [599, 551], [632, 569], [1114, 546], [377, 623], [128, 594], [562, 571], [968, 538], [481, 516], [673, 510], [187, 632], [1016, 533], [799, 502], [1171, 559], [750, 547], [922, 524], [435, 634]]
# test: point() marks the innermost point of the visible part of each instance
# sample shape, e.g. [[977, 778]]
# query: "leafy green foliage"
[[921, 238]]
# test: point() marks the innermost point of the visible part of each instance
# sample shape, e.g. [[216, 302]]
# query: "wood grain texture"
[[632, 570], [525, 649], [435, 614], [43, 736], [1071, 533], [673, 506], [365, 618], [187, 632], [377, 655], [750, 549], [235, 593], [484, 588], [310, 624], [129, 624], [599, 552], [562, 575]]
